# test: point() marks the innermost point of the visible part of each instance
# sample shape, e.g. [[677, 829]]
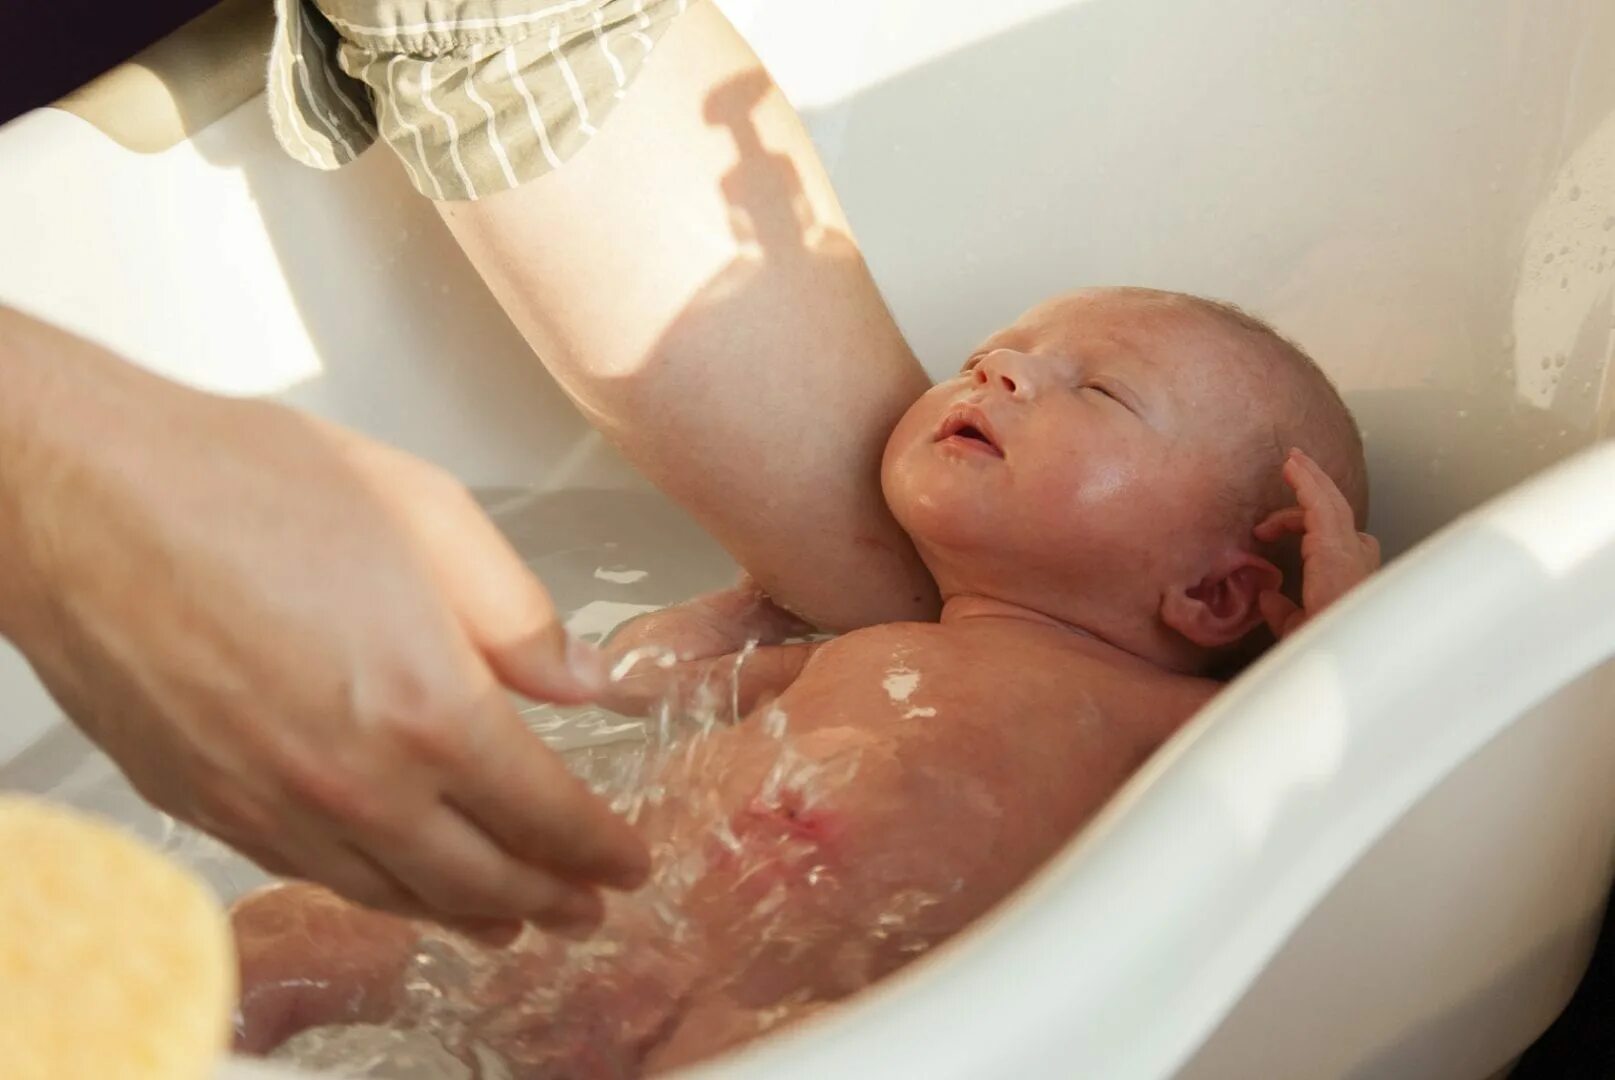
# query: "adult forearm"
[[28, 399], [73, 456], [692, 282]]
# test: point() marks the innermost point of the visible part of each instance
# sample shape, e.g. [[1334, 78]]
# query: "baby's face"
[[1086, 449]]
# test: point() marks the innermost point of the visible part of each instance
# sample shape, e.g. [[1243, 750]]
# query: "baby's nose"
[[1008, 370]]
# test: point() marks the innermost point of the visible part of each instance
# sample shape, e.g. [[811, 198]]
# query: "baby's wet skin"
[[1066, 491], [915, 787], [307, 958]]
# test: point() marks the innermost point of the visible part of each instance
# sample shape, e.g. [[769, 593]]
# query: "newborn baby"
[[1104, 496]]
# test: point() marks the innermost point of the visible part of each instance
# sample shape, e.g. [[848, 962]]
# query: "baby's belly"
[[836, 856], [796, 863]]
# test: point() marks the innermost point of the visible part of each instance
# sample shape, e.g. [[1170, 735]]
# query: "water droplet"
[[1575, 192], [1548, 258], [1559, 361], [1546, 362]]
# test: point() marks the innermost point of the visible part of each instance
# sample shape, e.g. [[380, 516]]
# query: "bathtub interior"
[[1423, 196], [1454, 941]]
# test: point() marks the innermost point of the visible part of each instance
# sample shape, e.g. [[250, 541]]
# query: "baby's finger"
[[1281, 523], [1371, 549], [1279, 611], [1316, 492]]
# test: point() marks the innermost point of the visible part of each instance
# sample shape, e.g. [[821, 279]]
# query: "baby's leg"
[[309, 958], [543, 1007], [712, 1025], [589, 1017]]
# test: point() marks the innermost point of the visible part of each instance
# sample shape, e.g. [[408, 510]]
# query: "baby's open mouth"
[[968, 428]]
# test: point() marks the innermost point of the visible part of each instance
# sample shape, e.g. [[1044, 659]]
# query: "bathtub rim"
[[1090, 876]]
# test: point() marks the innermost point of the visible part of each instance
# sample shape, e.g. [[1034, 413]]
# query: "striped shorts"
[[475, 96]]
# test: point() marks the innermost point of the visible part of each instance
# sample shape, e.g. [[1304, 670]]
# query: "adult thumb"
[[1279, 611], [513, 624]]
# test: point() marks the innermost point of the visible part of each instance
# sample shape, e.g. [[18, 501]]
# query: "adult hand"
[[1335, 557], [295, 638]]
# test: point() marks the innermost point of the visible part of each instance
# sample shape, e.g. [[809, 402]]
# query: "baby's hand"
[[712, 625], [690, 643], [1335, 557]]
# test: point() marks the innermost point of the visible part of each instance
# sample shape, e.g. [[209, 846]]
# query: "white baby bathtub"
[[1385, 851]]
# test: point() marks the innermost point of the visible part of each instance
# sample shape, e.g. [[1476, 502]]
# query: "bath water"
[[605, 557]]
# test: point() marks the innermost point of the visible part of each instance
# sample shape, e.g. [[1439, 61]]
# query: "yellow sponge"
[[115, 963]]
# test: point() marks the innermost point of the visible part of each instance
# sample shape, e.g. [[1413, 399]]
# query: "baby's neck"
[[961, 609]]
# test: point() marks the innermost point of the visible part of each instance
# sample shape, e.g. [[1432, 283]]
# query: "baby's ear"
[[1222, 607]]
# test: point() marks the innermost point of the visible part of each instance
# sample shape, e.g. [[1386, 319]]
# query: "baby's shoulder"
[[888, 635], [1017, 664], [926, 646]]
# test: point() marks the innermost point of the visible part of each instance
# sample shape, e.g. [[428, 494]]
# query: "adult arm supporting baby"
[[691, 281]]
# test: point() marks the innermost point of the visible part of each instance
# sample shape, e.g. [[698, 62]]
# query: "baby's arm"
[[715, 624], [705, 639], [1335, 557], [752, 677], [307, 957]]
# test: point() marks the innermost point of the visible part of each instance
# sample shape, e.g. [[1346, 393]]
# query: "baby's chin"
[[939, 520]]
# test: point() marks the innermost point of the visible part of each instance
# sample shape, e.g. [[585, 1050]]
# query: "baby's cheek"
[[898, 483], [913, 431], [922, 417]]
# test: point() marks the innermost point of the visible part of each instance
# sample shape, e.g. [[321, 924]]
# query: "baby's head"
[[1104, 460]]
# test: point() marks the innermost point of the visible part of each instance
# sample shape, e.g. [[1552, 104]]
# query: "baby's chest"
[[942, 744], [954, 693]]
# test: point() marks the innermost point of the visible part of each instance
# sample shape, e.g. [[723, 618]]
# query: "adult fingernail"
[[499, 934], [586, 663], [630, 872], [576, 914]]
